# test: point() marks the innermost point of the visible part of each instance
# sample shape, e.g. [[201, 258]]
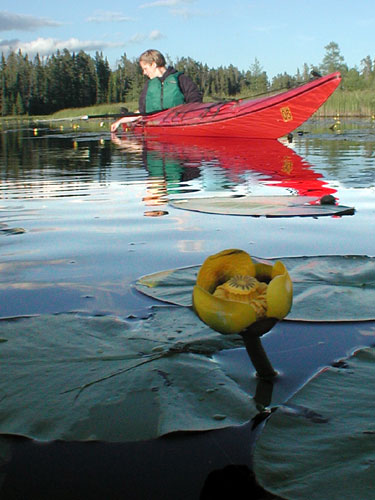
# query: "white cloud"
[[7, 43], [101, 16], [22, 22], [179, 8], [166, 3], [183, 12], [162, 3], [47, 46], [156, 35], [138, 38], [141, 37]]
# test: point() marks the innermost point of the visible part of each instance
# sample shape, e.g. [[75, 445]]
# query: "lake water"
[[83, 215]]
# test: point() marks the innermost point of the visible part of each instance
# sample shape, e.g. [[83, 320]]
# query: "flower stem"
[[258, 357]]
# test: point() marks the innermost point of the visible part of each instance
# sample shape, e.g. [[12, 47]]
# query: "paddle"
[[109, 115], [88, 117]]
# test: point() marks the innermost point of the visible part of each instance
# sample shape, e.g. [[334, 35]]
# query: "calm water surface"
[[83, 215]]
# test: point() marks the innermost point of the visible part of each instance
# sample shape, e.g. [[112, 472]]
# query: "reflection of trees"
[[27, 158], [346, 160]]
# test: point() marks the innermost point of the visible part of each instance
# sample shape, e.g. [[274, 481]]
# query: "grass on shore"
[[100, 109]]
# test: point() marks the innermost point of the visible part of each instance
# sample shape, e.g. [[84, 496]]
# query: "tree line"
[[68, 80]]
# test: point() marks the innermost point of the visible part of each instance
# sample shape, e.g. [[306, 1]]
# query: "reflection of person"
[[166, 87]]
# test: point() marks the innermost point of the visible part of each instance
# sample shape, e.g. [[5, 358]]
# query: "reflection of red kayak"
[[279, 164], [262, 118]]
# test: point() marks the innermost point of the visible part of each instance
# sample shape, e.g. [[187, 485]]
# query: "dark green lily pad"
[[321, 444], [102, 378], [325, 288], [256, 206]]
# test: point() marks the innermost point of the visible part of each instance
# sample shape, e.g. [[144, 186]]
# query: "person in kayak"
[[166, 87]]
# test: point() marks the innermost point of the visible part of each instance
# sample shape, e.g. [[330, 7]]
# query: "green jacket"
[[164, 94]]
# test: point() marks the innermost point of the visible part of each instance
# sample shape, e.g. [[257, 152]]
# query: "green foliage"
[[103, 74], [69, 80], [333, 60]]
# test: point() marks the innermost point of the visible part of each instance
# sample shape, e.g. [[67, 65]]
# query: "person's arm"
[[189, 89]]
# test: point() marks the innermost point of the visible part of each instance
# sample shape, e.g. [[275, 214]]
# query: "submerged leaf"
[[101, 378], [321, 444]]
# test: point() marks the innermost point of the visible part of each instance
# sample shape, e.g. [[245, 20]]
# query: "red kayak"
[[263, 118]]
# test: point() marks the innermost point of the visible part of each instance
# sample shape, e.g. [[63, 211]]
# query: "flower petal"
[[224, 316], [263, 272], [220, 267], [279, 292]]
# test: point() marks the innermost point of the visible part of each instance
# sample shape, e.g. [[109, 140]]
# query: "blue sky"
[[281, 35]]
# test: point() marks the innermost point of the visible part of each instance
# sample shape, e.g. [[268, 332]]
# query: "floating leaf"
[[84, 378], [321, 443], [325, 288], [256, 206]]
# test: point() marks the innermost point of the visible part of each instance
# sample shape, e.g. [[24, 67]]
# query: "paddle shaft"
[[114, 115]]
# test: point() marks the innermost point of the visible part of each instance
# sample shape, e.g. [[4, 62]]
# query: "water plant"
[[234, 295]]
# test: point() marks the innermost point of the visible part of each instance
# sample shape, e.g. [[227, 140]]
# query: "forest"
[[43, 86]]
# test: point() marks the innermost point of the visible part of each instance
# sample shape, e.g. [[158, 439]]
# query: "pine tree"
[[103, 73], [333, 60]]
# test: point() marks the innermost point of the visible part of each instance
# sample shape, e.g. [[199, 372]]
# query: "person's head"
[[152, 63]]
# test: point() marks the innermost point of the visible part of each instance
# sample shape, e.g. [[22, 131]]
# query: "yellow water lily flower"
[[232, 293]]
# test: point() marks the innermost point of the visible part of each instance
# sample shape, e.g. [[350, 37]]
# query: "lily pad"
[[321, 443], [325, 288], [256, 206], [101, 378]]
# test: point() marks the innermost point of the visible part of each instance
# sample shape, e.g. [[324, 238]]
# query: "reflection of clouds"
[[370, 332], [32, 285], [184, 223], [11, 267], [25, 286], [190, 246]]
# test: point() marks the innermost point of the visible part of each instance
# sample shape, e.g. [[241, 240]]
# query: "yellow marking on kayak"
[[286, 114], [287, 167]]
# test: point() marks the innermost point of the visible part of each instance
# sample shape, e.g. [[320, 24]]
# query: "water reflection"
[[348, 150], [73, 255], [215, 165], [242, 166]]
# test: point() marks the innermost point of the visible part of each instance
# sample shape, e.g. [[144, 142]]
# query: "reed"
[[354, 103]]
